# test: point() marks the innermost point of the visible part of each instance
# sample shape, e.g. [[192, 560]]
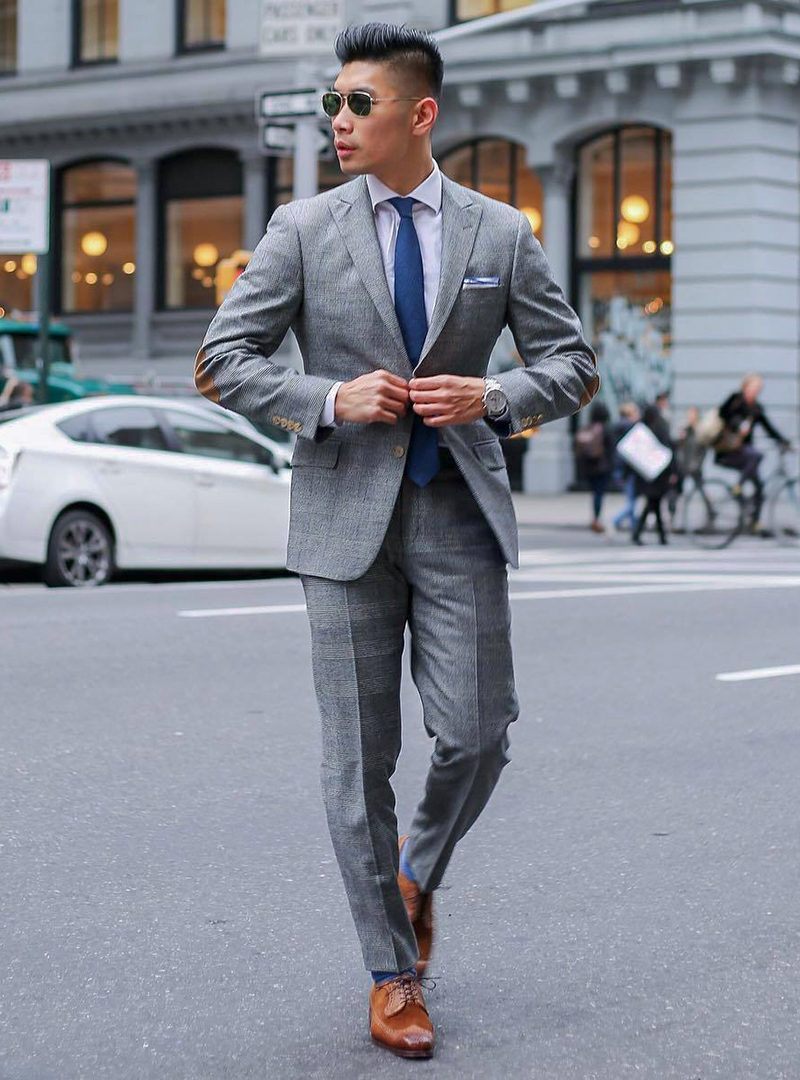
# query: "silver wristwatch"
[[494, 399]]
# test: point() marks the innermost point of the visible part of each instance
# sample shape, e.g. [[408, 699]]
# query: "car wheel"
[[80, 552]]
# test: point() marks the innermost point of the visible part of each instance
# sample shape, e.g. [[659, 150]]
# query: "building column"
[[145, 280], [735, 268], [548, 465], [254, 168]]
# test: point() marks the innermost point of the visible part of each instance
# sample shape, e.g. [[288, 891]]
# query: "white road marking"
[[273, 609], [759, 673]]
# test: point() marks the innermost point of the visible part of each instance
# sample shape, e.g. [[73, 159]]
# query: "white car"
[[122, 482]]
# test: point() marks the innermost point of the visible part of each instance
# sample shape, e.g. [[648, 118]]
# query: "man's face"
[[368, 144]]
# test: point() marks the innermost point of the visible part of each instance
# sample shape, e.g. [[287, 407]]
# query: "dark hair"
[[599, 414], [414, 51]]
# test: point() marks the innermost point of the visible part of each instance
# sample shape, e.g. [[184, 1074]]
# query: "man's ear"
[[426, 113]]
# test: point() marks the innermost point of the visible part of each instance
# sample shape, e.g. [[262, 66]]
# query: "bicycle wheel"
[[784, 518], [712, 515]]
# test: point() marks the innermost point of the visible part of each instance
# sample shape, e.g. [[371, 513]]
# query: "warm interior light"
[[649, 246], [206, 255], [93, 243], [10, 266], [28, 264], [533, 216], [76, 277], [128, 268], [635, 208], [627, 234], [667, 247], [198, 274], [594, 241], [91, 278], [208, 282]]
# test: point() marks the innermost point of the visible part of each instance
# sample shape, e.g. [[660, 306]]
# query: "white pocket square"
[[480, 283]]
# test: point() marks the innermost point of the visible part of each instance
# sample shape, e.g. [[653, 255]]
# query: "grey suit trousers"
[[441, 572]]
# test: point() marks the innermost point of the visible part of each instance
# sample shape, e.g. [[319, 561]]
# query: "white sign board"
[[283, 138], [299, 27], [273, 106], [24, 206]]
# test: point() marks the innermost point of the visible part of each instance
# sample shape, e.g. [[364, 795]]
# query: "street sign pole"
[[305, 158], [44, 302]]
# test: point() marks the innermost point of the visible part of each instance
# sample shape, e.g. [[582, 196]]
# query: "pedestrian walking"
[[594, 447], [654, 490], [629, 415], [397, 285]]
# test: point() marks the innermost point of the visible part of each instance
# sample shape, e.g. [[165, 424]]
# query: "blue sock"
[[381, 976], [405, 866]]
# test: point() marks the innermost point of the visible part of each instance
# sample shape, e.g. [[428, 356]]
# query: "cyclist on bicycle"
[[733, 447]]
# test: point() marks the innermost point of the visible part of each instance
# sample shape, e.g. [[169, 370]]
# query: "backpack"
[[589, 442], [709, 427]]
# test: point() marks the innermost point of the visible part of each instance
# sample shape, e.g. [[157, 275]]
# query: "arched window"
[[497, 168], [201, 221], [97, 238], [622, 248]]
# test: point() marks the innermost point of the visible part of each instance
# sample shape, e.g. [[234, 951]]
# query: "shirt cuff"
[[328, 416]]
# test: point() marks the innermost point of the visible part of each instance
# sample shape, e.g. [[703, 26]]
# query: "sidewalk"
[[568, 510]]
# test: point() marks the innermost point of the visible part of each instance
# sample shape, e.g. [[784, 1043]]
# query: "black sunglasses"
[[359, 102]]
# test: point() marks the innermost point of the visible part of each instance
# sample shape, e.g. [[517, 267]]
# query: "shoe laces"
[[406, 990]]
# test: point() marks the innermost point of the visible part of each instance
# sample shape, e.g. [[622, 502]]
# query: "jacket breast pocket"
[[319, 455], [490, 454]]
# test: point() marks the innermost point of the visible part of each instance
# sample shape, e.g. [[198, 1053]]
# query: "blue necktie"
[[422, 462]]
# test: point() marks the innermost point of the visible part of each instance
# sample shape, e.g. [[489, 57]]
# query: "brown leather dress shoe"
[[420, 911], [398, 1017]]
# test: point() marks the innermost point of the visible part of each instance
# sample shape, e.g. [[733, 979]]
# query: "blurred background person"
[[594, 448], [734, 449], [690, 453], [655, 490], [16, 394], [629, 414]]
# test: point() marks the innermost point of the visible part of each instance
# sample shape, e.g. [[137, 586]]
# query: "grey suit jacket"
[[318, 270]]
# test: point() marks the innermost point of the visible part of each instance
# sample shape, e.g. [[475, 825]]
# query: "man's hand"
[[447, 399], [378, 397]]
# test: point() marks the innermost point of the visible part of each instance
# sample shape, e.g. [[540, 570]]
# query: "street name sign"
[[24, 206], [288, 104], [282, 138]]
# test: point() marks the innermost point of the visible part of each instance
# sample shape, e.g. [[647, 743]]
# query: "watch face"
[[495, 402]]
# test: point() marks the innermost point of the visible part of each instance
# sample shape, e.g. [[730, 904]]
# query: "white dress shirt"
[[427, 216]]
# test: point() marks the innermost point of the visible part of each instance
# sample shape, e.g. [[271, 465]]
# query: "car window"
[[205, 437], [26, 350], [76, 427], [133, 426]]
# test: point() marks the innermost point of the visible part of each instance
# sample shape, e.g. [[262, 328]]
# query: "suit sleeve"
[[232, 367], [560, 372]]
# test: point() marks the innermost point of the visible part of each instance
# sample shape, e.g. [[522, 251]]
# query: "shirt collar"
[[428, 192]]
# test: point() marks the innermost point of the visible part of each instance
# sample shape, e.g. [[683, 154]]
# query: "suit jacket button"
[[276, 420], [298, 426], [398, 451]]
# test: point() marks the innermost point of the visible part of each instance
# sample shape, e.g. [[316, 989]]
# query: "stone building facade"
[[653, 145]]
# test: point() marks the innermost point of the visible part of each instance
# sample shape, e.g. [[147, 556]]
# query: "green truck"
[[19, 348]]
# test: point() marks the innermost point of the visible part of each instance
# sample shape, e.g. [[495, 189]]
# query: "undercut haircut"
[[411, 52]]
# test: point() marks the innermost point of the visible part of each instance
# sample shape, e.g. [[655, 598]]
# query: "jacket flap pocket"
[[321, 455], [490, 452]]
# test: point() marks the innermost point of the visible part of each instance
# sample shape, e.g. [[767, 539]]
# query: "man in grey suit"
[[397, 285]]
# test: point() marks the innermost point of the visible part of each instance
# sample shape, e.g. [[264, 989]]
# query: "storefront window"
[[96, 25], [202, 222], [202, 24], [98, 237], [8, 37], [476, 9], [17, 284], [497, 168], [623, 244]]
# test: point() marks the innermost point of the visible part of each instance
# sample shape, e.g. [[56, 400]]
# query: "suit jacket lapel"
[[356, 221], [460, 218]]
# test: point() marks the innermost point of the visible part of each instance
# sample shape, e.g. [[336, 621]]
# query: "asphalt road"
[[626, 907]]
